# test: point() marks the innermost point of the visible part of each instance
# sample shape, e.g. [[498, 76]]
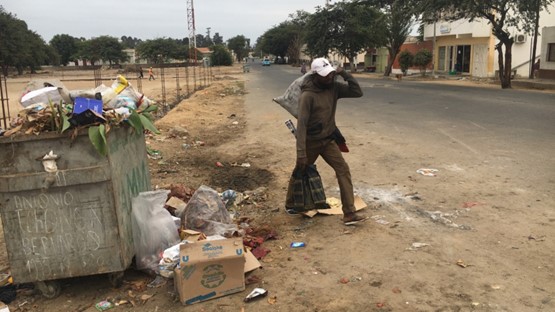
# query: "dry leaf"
[[144, 298], [272, 300]]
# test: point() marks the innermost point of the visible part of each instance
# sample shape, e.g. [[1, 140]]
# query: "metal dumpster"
[[76, 221]]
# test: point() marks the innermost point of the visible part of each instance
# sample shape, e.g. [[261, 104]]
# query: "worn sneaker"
[[291, 211], [353, 218]]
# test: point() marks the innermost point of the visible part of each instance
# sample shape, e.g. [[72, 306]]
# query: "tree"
[[217, 39], [406, 60], [130, 42], [399, 18], [162, 50], [276, 40], [238, 44], [347, 28], [502, 15], [20, 47], [66, 46], [221, 56], [422, 59], [107, 49]]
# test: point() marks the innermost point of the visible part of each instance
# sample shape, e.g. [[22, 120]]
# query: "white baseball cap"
[[322, 67]]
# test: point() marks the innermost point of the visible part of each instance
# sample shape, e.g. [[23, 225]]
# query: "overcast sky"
[[150, 19]]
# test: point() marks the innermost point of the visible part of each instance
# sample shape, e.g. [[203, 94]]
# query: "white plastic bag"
[[153, 228]]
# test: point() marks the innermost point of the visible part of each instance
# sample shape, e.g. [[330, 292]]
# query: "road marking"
[[458, 141], [477, 125]]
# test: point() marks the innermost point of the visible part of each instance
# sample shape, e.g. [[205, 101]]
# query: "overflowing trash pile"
[[50, 107], [194, 237]]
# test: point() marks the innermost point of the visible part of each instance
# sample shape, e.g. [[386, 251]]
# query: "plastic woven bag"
[[290, 99]]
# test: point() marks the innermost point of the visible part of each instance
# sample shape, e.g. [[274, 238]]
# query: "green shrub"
[[422, 59], [405, 61]]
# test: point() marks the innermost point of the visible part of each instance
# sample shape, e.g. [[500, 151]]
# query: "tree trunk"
[[388, 68], [353, 65], [390, 61], [505, 62]]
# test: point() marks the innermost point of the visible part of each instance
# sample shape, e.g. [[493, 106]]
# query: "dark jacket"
[[317, 107]]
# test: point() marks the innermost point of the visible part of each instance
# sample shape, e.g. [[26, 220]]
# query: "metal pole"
[[535, 41], [434, 54], [5, 101]]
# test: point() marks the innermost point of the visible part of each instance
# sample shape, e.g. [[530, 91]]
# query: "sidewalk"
[[518, 83]]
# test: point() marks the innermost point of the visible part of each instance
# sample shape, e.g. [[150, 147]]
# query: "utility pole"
[[434, 54], [535, 41], [192, 38]]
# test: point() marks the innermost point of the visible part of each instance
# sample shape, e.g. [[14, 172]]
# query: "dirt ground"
[[456, 242]]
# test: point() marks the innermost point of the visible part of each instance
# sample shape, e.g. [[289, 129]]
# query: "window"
[[551, 52], [441, 59]]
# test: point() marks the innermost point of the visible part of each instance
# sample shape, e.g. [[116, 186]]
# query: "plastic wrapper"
[[41, 96], [107, 93], [206, 212], [290, 99], [153, 228], [37, 84]]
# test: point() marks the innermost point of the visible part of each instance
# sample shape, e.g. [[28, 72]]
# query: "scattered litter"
[[256, 293], [298, 244], [206, 212], [380, 219], [153, 154], [159, 281], [272, 300], [244, 165], [104, 305], [461, 263], [470, 204], [536, 238], [445, 218], [396, 290], [496, 287], [253, 279], [416, 246], [335, 207], [144, 298], [49, 162], [429, 172]]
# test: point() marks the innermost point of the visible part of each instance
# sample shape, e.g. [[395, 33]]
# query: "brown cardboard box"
[[210, 269]]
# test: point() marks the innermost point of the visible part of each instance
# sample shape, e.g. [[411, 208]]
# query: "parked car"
[[266, 62]]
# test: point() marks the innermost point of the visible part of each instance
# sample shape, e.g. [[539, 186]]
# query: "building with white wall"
[[468, 48]]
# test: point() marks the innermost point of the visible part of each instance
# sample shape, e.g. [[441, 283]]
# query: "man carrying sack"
[[316, 132]]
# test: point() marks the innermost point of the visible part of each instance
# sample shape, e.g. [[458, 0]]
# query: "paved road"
[[513, 128]]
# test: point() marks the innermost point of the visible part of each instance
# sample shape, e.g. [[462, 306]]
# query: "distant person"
[[303, 68], [150, 74], [536, 68], [141, 73]]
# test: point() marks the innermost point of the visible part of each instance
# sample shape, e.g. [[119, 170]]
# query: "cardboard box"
[[210, 269], [336, 207]]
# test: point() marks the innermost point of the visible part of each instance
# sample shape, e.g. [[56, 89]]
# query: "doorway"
[[463, 59]]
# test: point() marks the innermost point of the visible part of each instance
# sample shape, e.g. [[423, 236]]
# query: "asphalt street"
[[473, 122]]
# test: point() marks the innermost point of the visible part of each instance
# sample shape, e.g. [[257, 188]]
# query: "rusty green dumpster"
[[76, 220]]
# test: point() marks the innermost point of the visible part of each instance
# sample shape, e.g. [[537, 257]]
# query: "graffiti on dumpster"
[[57, 230]]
